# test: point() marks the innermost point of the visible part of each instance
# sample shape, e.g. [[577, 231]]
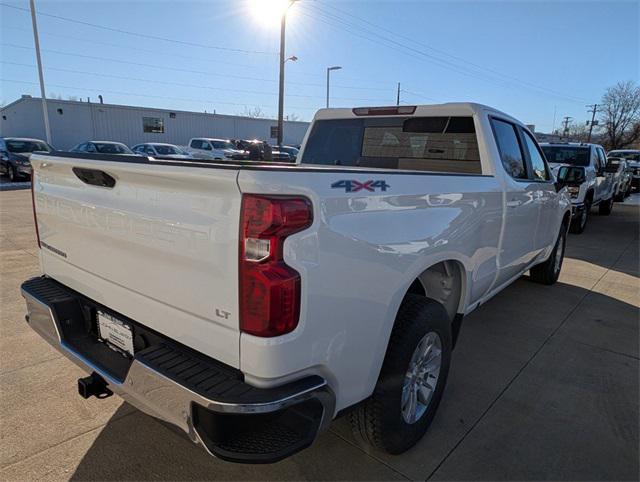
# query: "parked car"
[[632, 156], [598, 187], [15, 153], [257, 150], [214, 149], [250, 304], [291, 151], [160, 150], [622, 176], [103, 147]]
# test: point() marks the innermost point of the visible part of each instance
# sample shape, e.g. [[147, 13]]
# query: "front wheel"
[[577, 225], [412, 378], [606, 207], [13, 175], [548, 272]]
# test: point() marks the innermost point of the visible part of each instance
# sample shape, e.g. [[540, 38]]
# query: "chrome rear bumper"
[[187, 407]]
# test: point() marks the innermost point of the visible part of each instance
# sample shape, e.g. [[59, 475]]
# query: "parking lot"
[[543, 385]]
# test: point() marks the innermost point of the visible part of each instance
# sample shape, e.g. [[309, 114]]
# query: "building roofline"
[[136, 107]]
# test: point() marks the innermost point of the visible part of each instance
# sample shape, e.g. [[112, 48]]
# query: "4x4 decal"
[[355, 186]]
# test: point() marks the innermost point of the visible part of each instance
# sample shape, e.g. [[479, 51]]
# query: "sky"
[[538, 61]]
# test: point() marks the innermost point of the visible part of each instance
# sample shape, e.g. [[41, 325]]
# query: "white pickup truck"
[[250, 304], [214, 149], [590, 179]]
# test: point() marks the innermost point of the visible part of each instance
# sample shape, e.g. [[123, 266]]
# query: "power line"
[[135, 94], [294, 73], [179, 84], [176, 69], [138, 34], [447, 54], [441, 62]]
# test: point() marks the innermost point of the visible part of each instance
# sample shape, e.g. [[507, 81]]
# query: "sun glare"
[[269, 12]]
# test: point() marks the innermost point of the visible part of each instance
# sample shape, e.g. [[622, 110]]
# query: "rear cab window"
[[572, 155], [440, 144]]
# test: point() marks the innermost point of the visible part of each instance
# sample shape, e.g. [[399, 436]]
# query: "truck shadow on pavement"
[[543, 385]]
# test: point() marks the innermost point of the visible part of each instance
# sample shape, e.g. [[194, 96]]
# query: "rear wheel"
[[605, 207], [547, 273], [412, 379]]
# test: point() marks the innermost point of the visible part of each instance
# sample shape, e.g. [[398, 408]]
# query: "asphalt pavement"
[[544, 384]]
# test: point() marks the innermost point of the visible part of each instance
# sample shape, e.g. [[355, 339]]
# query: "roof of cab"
[[448, 108]]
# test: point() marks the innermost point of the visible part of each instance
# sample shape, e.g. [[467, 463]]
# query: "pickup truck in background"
[[212, 149], [249, 304], [632, 156], [593, 181]]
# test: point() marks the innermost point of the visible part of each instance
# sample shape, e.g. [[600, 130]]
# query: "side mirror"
[[570, 176]]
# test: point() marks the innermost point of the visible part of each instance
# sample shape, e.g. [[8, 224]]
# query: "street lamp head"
[[335, 67]]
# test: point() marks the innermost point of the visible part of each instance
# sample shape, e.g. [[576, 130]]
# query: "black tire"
[[547, 273], [619, 197], [13, 175], [578, 225], [605, 207], [378, 421]]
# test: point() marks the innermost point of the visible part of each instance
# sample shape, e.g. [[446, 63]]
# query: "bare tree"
[[255, 112], [620, 114]]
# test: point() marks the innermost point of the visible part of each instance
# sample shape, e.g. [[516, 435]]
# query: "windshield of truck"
[[628, 155], [166, 150], [222, 145], [26, 146], [110, 148], [436, 144], [575, 156]]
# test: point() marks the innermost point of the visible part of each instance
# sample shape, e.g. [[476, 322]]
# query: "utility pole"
[[593, 110], [565, 122], [36, 39], [398, 95]]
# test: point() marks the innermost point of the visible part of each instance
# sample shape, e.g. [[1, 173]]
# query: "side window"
[[206, 146], [601, 156], [595, 154], [196, 144], [509, 148], [538, 164], [149, 150], [89, 147]]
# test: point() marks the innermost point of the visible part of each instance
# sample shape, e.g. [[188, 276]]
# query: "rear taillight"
[[33, 203], [269, 289]]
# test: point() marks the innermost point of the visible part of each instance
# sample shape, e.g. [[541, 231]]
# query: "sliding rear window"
[[435, 144]]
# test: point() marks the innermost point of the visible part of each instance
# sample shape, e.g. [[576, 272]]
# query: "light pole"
[[283, 27], [329, 69]]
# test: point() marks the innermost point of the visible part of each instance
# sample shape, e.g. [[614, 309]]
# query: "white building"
[[73, 122]]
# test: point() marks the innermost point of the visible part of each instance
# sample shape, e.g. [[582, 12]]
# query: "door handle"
[[94, 177], [514, 203]]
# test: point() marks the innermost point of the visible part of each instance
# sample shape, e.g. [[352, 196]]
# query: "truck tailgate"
[[160, 246]]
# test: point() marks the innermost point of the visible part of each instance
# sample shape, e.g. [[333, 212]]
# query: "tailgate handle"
[[95, 177]]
